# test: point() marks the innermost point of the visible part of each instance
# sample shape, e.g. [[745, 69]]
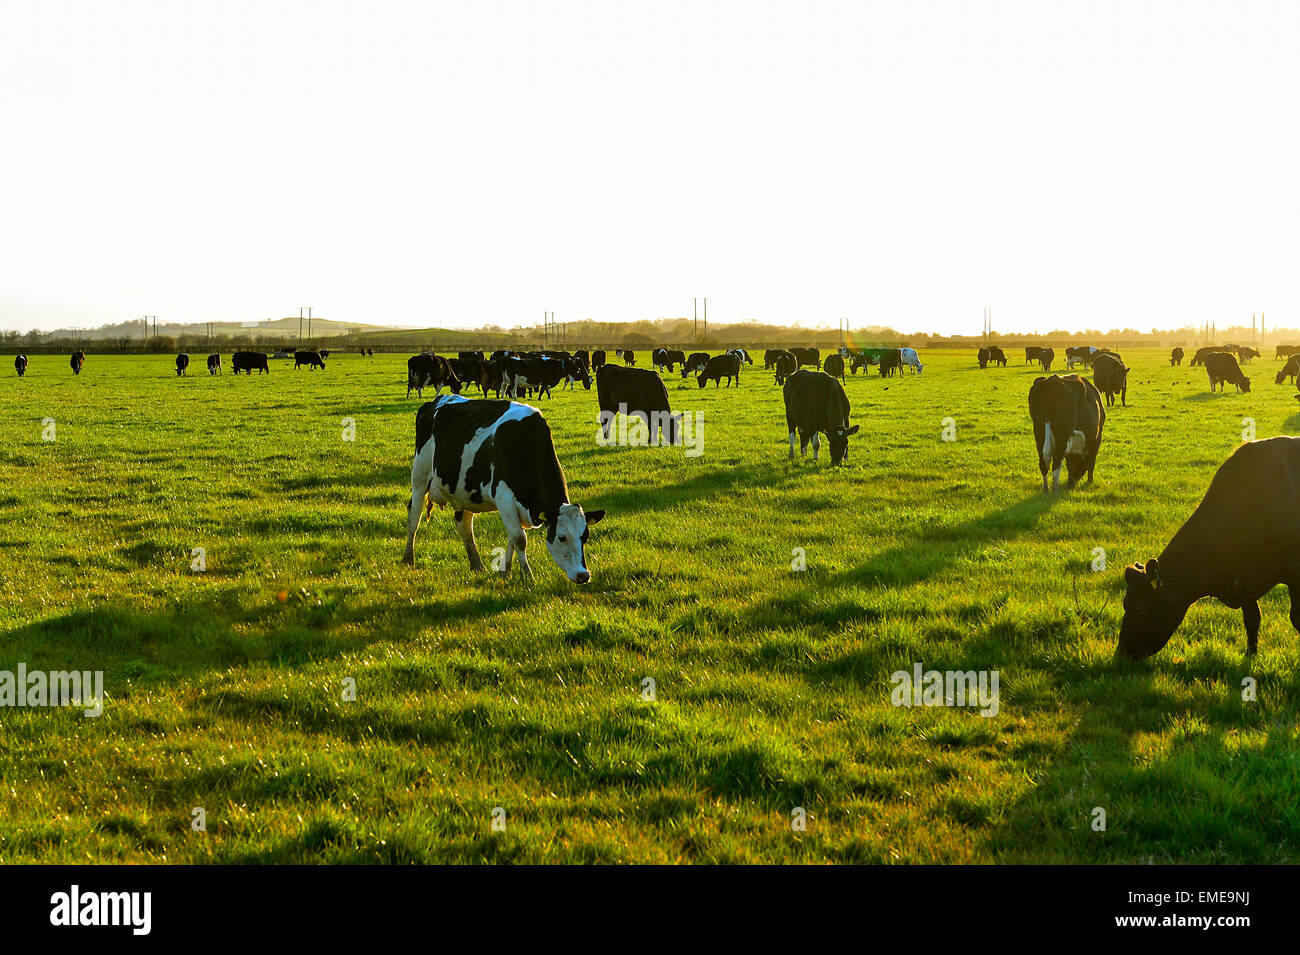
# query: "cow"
[[786, 365], [665, 359], [742, 355], [324, 354], [834, 366], [540, 373], [1289, 370], [312, 359], [769, 358], [1045, 358], [483, 455], [1068, 419], [719, 367], [1175, 357], [997, 356], [1202, 353], [891, 360], [910, 359], [1241, 541], [1110, 376], [467, 370], [1223, 368], [863, 359], [983, 356], [77, 360], [491, 377], [1080, 354], [628, 356], [695, 364], [597, 360], [807, 356], [1245, 353], [575, 369], [246, 361], [214, 364], [20, 365], [815, 404], [635, 391], [1286, 351], [182, 364], [1033, 353], [424, 370]]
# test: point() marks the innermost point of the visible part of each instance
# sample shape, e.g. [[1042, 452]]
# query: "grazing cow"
[[425, 370], [769, 358], [983, 356], [834, 366], [467, 370], [910, 359], [807, 356], [1245, 353], [1110, 376], [1223, 368], [816, 403], [482, 455], [1286, 351], [635, 391], [675, 357], [1033, 353], [1068, 420], [742, 355], [1289, 370], [695, 364], [1079, 354], [490, 376], [246, 361], [666, 360], [540, 373], [1241, 541], [1203, 353], [719, 367], [628, 356], [182, 364], [78, 359], [863, 359], [997, 356], [786, 365], [20, 365], [575, 369], [1175, 357], [1045, 358], [891, 360], [597, 360], [324, 354], [312, 359], [214, 364], [659, 358]]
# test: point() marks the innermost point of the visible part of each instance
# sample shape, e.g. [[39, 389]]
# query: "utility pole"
[[696, 303], [308, 323], [706, 317]]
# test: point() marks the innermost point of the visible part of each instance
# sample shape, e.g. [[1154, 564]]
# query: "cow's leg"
[[1250, 617], [816, 443], [419, 489], [792, 445], [1042, 466], [465, 524], [1056, 472]]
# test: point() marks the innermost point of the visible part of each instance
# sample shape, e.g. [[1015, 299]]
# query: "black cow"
[[1110, 376], [597, 360], [1045, 358], [815, 402], [467, 370], [891, 360], [425, 370], [1223, 368], [1241, 541], [1289, 370], [665, 358], [182, 364], [628, 356], [20, 365], [770, 356], [807, 356], [214, 364], [77, 360], [312, 359], [695, 364], [983, 356], [997, 356], [786, 365], [324, 354], [1068, 418], [1175, 357], [575, 369], [635, 391], [834, 366], [490, 376], [1033, 353], [513, 471], [246, 361], [1203, 353], [719, 367], [1286, 351]]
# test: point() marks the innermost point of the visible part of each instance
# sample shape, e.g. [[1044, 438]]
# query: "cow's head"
[[1245, 383], [839, 442], [566, 539], [1152, 611]]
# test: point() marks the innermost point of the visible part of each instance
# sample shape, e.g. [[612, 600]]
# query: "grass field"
[[225, 689]]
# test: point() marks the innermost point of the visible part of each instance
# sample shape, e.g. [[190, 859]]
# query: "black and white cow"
[[20, 365], [597, 359], [182, 364], [482, 455], [742, 355], [542, 374], [815, 402], [720, 366], [665, 359], [214, 364], [78, 359], [575, 369], [695, 364], [423, 371]]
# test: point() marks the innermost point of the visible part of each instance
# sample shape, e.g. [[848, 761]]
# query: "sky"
[[1067, 165]]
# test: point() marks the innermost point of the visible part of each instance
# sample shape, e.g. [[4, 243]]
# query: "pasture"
[[225, 688]]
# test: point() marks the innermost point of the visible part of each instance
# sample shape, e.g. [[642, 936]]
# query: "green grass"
[[475, 692]]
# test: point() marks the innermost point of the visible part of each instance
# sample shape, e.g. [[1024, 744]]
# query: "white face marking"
[[566, 548], [1076, 444]]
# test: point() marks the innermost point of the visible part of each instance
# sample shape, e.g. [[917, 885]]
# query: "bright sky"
[[1078, 165]]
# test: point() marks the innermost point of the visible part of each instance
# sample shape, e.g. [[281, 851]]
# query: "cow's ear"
[[593, 517], [852, 430], [1152, 570]]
